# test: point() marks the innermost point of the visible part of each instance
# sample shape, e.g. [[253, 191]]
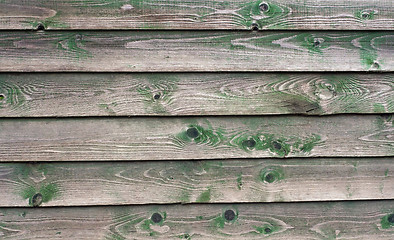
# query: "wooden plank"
[[197, 14], [101, 139], [325, 220], [164, 94], [181, 51], [121, 183]]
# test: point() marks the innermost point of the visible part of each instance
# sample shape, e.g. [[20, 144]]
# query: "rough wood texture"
[[98, 139], [344, 220], [197, 14], [162, 94], [169, 51], [78, 184]]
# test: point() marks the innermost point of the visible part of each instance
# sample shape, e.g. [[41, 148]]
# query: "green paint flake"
[[386, 173], [204, 196], [387, 221], [49, 192]]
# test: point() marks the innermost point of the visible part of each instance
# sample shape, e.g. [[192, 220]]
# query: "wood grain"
[[343, 220], [182, 51], [164, 94], [100, 139], [197, 14], [121, 183]]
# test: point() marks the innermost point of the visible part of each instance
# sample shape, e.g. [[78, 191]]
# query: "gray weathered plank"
[[121, 183], [162, 94], [169, 51], [100, 139], [197, 14], [325, 220]]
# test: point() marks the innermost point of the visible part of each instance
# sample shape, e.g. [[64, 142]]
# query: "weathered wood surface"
[[181, 51], [325, 220], [162, 94], [197, 14], [168, 138], [89, 184]]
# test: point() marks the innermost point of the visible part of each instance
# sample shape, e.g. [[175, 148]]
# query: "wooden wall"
[[209, 119]]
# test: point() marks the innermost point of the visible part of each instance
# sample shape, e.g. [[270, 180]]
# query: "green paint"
[[185, 236], [313, 42], [239, 181], [378, 108], [204, 196], [272, 174], [2, 97], [387, 221], [49, 191], [72, 44], [386, 173]]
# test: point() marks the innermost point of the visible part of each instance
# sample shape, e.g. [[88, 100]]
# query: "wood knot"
[[40, 27], [192, 132], [254, 27], [390, 218], [267, 230], [2, 97], [269, 178], [264, 7], [375, 65], [36, 200], [229, 215], [277, 145], [156, 218], [156, 96], [250, 143]]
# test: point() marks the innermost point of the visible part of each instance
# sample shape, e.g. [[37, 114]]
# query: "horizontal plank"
[[164, 94], [325, 220], [122, 183], [169, 138], [180, 51], [197, 14]]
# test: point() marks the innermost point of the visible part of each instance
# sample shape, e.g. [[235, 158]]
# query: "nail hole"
[[192, 132], [40, 27], [250, 143], [156, 96], [267, 230], [264, 7], [229, 215], [156, 218], [390, 218], [269, 178], [36, 200], [254, 27], [2, 96]]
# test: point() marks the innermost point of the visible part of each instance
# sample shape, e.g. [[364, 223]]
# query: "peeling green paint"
[[266, 229], [72, 44], [204, 196], [239, 181]]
